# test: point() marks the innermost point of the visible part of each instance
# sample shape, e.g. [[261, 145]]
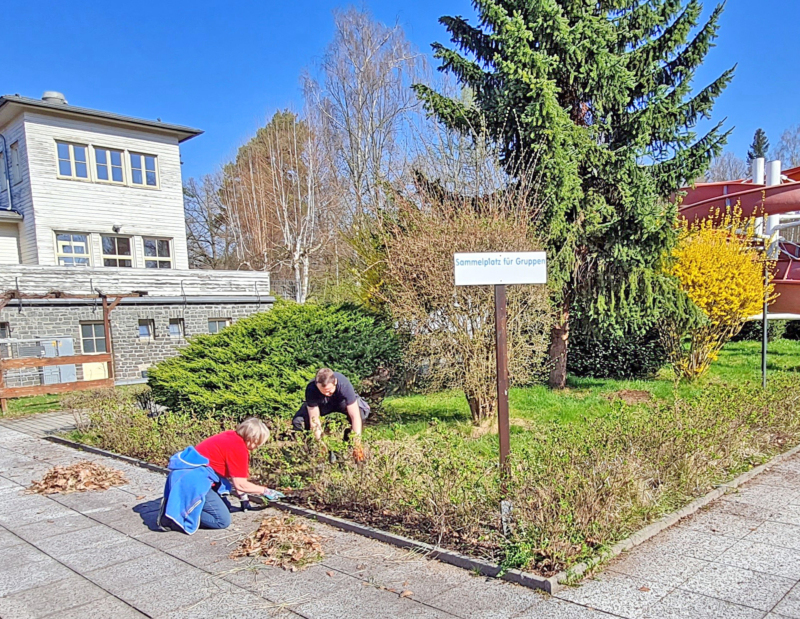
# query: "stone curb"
[[551, 585], [642, 535]]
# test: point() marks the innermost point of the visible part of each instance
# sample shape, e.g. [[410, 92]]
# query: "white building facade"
[[91, 203]]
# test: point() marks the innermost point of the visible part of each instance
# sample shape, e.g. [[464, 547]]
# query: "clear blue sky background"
[[225, 67]]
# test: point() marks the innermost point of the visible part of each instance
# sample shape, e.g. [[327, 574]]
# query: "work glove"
[[273, 495], [358, 454]]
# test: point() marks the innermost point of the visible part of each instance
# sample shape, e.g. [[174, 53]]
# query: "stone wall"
[[133, 354]]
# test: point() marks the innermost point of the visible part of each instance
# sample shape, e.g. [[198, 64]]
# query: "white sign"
[[488, 269]]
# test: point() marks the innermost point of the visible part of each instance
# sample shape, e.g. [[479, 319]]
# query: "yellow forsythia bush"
[[721, 270]]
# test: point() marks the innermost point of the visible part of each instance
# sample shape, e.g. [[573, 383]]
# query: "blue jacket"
[[188, 482]]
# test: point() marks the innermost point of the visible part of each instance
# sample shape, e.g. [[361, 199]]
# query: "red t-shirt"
[[227, 454]]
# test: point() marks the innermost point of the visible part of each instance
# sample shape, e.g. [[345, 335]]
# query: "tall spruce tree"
[[596, 95], [759, 147]]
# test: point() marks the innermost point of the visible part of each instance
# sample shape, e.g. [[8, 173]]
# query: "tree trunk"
[[481, 407], [559, 343]]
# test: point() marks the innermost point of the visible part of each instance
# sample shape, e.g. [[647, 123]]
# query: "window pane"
[[150, 247], [80, 170], [109, 262], [80, 153], [82, 261], [212, 326], [100, 155], [123, 247], [151, 178], [63, 151], [116, 158], [78, 238], [150, 163], [102, 172], [88, 345], [163, 249], [125, 263], [109, 245], [164, 264], [99, 331], [64, 167], [136, 162], [150, 264], [136, 177], [63, 237], [86, 331], [100, 345], [116, 175], [64, 261]]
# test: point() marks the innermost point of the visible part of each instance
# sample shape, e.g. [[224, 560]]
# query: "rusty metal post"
[[107, 332], [3, 401], [501, 332]]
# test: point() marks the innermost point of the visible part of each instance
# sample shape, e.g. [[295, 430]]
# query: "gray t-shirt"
[[337, 402]]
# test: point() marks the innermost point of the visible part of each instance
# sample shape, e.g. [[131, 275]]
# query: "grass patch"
[[32, 405]]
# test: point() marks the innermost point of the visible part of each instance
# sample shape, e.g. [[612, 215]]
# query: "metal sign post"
[[500, 270]]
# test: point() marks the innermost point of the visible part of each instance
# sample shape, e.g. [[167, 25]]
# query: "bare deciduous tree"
[[788, 150], [209, 237], [726, 167], [364, 97]]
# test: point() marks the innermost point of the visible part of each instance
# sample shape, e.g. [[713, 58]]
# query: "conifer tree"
[[759, 147], [597, 96]]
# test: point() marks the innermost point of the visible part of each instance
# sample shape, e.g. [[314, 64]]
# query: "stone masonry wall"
[[132, 354]]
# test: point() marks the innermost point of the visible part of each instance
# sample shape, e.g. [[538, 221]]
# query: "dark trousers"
[[302, 421]]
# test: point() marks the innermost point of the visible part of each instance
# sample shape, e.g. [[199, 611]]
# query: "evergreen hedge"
[[260, 365]]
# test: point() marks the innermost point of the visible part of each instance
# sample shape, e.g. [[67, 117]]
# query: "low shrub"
[[792, 330], [613, 356], [753, 331], [261, 365]]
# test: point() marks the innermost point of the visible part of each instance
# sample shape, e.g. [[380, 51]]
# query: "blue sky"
[[225, 67]]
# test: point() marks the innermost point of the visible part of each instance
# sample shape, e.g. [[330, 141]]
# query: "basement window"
[[146, 329], [93, 337], [215, 325], [176, 327]]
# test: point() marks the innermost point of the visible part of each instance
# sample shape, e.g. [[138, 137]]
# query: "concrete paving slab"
[[64, 594], [764, 496], [137, 572], [719, 522], [789, 606], [69, 521], [84, 502], [482, 598], [559, 609], [30, 575], [104, 556], [777, 534], [100, 609], [763, 558], [20, 554], [240, 604], [169, 594], [740, 586], [667, 568], [621, 595], [787, 514], [65, 544], [680, 604], [688, 542]]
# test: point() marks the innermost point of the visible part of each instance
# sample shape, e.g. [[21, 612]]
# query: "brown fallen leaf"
[[406, 594], [213, 543], [78, 477], [139, 498], [644, 588], [329, 574], [285, 542]]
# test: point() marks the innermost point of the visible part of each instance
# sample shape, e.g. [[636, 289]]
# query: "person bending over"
[[331, 392], [199, 475]]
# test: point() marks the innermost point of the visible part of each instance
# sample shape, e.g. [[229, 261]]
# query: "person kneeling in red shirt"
[[228, 453]]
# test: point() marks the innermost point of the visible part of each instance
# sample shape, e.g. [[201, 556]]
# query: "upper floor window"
[[72, 161], [157, 253], [143, 170], [16, 174], [116, 251], [215, 325], [109, 164], [72, 249]]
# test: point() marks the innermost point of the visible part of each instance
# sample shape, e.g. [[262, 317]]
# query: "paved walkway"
[[97, 555], [42, 424]]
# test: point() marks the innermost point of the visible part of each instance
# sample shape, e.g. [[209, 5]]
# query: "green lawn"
[[587, 397], [32, 405]]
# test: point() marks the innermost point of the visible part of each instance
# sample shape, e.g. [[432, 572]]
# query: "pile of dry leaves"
[[78, 477], [285, 542]]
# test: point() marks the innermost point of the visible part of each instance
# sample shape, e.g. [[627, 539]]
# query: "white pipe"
[[773, 172], [757, 170]]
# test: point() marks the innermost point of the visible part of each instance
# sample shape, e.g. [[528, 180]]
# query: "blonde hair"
[[253, 430]]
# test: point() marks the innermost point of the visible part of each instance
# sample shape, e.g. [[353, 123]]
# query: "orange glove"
[[358, 454]]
